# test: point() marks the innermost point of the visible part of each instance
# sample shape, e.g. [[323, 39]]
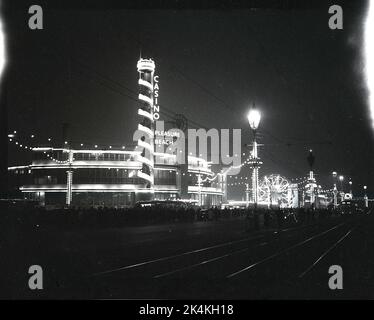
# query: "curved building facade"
[[109, 178]]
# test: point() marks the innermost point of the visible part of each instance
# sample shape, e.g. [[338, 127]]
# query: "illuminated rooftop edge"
[[146, 64]]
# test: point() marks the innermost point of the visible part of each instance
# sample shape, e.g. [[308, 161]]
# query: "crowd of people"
[[102, 217]]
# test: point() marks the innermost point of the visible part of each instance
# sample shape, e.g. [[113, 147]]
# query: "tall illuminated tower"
[[255, 166], [311, 186], [146, 68], [254, 117]]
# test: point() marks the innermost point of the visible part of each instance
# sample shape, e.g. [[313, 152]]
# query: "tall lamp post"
[[341, 179], [335, 190], [366, 199], [311, 180], [254, 117], [247, 195], [199, 183], [69, 180]]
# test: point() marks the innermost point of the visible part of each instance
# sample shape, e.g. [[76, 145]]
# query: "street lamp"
[[254, 117], [350, 188], [311, 180], [366, 199], [335, 190], [341, 178]]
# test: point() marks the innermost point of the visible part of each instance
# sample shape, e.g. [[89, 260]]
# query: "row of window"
[[63, 156], [112, 176], [103, 157], [165, 177], [60, 156], [101, 176], [106, 176]]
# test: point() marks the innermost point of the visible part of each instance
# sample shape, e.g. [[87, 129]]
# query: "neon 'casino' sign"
[[162, 137]]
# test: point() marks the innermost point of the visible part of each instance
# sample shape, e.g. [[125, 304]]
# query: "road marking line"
[[199, 264], [282, 251], [324, 254], [176, 256], [208, 261]]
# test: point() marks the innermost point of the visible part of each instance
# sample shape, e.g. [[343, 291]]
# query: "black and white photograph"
[[214, 151]]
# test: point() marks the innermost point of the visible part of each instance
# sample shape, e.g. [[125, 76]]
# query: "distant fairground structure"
[[277, 190]]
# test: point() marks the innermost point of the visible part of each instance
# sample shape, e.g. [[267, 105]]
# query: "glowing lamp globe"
[[254, 117]]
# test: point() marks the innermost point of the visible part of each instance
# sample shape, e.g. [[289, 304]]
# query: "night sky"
[[306, 79]]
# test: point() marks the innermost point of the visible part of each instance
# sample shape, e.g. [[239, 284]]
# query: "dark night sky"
[[306, 79]]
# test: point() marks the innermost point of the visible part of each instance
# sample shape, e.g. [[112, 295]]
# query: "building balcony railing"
[[208, 190], [48, 164]]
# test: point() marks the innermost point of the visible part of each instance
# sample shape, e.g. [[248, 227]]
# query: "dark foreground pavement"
[[202, 260]]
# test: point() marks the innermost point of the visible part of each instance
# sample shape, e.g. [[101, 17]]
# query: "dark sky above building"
[[306, 79]]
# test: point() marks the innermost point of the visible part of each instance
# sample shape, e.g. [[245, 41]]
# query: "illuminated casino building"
[[118, 177]]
